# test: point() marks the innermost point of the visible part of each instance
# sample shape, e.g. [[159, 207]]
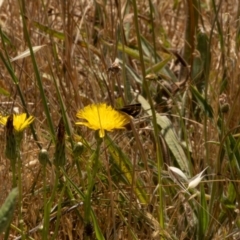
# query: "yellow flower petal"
[[103, 118], [3, 120], [20, 121]]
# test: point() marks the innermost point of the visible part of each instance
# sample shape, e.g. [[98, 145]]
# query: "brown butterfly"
[[132, 109]]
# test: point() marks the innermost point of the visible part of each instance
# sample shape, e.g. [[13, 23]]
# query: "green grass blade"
[[97, 229], [206, 108], [149, 51], [200, 64], [203, 215], [37, 73], [131, 73], [63, 107], [6, 39], [228, 202], [190, 29], [125, 167]]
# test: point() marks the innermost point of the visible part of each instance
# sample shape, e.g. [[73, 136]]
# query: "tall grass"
[[180, 60]]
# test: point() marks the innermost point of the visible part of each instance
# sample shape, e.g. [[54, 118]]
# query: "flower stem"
[[92, 169], [19, 178]]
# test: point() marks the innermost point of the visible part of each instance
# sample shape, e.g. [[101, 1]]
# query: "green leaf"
[[172, 141], [132, 73], [97, 229], [234, 149], [131, 52], [158, 66], [149, 51], [49, 31], [7, 210], [207, 109], [231, 193], [4, 92], [169, 135], [228, 202]]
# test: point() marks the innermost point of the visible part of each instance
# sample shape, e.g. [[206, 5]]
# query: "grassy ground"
[[180, 60]]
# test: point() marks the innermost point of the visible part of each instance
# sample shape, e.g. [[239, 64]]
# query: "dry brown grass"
[[81, 71]]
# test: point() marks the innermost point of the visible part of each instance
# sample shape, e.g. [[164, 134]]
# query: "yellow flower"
[[20, 121], [103, 118]]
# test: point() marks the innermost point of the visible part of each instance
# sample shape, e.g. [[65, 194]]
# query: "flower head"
[[103, 118], [20, 121]]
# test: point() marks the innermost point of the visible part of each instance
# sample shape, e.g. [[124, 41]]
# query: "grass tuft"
[[179, 60]]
